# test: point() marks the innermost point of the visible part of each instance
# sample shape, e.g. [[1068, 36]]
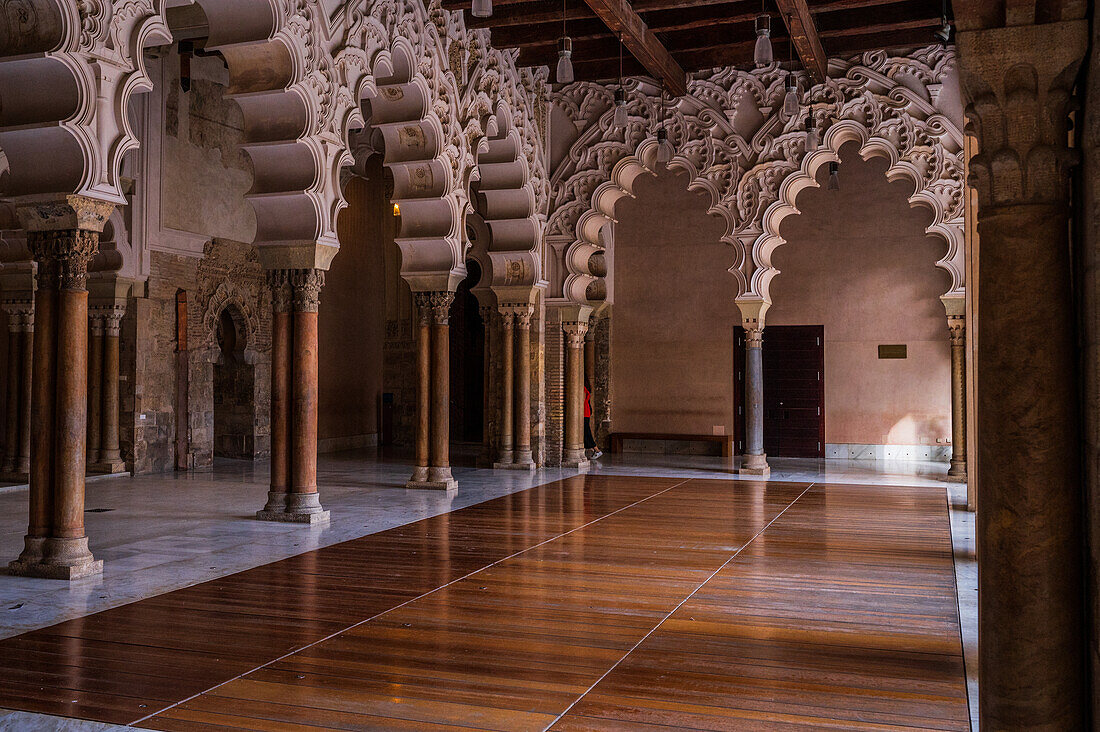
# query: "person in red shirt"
[[589, 440]]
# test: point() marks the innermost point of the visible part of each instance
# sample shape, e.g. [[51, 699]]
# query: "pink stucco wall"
[[856, 261]]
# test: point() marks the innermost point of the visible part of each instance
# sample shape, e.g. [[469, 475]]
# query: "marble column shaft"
[[14, 392], [56, 544], [26, 380], [433, 391], [573, 445], [110, 456], [507, 389], [486, 457], [957, 471], [753, 460], [521, 455], [280, 393], [296, 300], [95, 385]]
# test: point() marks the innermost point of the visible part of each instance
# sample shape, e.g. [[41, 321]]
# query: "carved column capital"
[[63, 256], [109, 317], [574, 333], [754, 337], [281, 296], [957, 326], [1018, 82], [306, 285], [95, 322], [20, 314], [519, 312], [439, 303]]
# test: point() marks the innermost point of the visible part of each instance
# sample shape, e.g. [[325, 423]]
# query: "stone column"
[[434, 341], [279, 484], [507, 319], [423, 387], [521, 457], [486, 457], [95, 384], [110, 456], [754, 461], [439, 471], [1019, 83], [14, 392], [27, 375], [573, 455], [62, 236], [302, 502], [957, 471]]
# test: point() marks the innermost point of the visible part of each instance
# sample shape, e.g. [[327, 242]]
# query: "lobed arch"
[[947, 221], [893, 105], [300, 75]]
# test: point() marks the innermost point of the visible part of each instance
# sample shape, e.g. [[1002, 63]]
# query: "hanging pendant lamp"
[[813, 139], [943, 35], [762, 55], [834, 176], [565, 53], [665, 148], [790, 100], [481, 8], [619, 120]]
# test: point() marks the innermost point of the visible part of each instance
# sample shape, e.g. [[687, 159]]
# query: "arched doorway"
[[467, 361], [234, 390]]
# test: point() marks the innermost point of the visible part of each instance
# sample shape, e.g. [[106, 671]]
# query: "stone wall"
[[228, 275]]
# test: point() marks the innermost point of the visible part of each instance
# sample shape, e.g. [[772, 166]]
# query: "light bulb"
[[790, 101], [813, 140], [620, 108], [565, 63], [762, 56], [481, 8], [665, 149], [834, 177]]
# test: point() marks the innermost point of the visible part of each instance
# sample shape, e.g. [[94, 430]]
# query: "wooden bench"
[[725, 441]]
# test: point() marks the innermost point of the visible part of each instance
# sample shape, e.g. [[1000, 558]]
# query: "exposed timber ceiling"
[[666, 38]]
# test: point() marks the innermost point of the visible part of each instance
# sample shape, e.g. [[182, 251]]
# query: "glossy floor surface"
[[599, 602]]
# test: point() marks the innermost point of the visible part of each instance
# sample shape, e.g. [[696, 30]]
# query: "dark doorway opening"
[[467, 361], [794, 391], [234, 387]]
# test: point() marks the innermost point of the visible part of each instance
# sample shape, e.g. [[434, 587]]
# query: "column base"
[[300, 508], [528, 466], [754, 465], [63, 559], [110, 468], [583, 464], [449, 484], [294, 518], [956, 478]]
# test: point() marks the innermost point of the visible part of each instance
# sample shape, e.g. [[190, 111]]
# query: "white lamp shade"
[[762, 55], [564, 73], [481, 8], [620, 114]]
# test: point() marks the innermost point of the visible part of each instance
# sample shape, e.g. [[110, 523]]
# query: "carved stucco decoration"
[[303, 73], [734, 142]]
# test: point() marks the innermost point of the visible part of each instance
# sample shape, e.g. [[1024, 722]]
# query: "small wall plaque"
[[892, 351]]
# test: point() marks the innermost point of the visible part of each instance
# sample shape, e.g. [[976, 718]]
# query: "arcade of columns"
[[1018, 70]]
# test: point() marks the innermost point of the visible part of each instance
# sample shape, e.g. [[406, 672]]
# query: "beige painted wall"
[[857, 261]]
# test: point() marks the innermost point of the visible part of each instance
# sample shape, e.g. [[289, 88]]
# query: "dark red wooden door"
[[794, 390]]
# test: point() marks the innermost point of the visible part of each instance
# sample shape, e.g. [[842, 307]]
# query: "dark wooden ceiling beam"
[[622, 19], [807, 43]]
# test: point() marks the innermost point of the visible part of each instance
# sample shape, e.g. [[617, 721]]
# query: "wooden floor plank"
[[596, 603]]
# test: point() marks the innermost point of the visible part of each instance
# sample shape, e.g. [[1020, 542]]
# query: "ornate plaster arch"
[[734, 141], [923, 168], [299, 72]]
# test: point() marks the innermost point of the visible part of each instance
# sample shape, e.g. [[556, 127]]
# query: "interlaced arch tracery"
[[300, 70], [735, 143]]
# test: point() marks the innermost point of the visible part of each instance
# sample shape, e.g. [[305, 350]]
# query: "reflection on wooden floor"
[[594, 603]]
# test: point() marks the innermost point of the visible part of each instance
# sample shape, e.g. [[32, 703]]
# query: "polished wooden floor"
[[593, 603]]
